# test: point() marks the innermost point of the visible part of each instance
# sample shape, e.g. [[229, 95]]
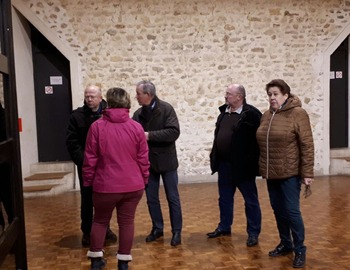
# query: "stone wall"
[[192, 50]]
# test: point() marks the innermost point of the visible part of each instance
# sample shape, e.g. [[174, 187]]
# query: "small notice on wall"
[[56, 80], [339, 74], [336, 75], [48, 90]]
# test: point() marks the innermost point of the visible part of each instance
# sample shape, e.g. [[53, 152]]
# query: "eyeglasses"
[[90, 97], [307, 191], [228, 94]]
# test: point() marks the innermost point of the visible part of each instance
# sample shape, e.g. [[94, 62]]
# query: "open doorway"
[[52, 98], [24, 22], [339, 96]]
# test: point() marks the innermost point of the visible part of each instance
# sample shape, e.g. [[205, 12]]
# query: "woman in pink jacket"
[[116, 166]]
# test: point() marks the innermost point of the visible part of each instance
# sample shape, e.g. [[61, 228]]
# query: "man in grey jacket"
[[159, 120]]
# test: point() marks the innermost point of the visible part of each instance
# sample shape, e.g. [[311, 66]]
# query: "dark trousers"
[[285, 202], [170, 182], [86, 205], [125, 204], [227, 187]]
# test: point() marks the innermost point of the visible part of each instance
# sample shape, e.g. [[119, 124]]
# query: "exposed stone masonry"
[[192, 50]]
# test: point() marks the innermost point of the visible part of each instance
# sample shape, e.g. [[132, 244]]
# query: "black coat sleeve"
[[74, 142]]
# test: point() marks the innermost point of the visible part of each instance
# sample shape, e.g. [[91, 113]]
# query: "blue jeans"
[[227, 187], [170, 182], [285, 201]]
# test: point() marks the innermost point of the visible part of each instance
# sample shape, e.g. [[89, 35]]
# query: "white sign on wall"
[[56, 80], [336, 75]]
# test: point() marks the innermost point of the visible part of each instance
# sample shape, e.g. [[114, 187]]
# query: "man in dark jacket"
[[235, 156], [159, 120], [78, 127], [5, 179]]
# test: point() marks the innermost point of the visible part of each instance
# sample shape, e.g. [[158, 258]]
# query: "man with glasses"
[[235, 156], [78, 127]]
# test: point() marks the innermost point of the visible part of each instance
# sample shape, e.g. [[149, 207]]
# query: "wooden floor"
[[53, 235]]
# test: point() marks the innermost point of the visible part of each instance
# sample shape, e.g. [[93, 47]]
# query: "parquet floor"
[[53, 235]]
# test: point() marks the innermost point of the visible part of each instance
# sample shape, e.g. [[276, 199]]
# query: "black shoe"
[[97, 263], [154, 235], [123, 265], [111, 236], [85, 241], [252, 240], [176, 239], [218, 232], [299, 260], [280, 250]]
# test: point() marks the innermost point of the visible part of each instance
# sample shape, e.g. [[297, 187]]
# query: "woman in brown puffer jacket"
[[286, 161]]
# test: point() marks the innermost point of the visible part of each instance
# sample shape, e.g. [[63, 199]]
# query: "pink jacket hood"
[[116, 154]]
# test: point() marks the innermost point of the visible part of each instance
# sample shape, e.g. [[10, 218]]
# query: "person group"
[[79, 123], [123, 157], [117, 159], [116, 165], [278, 146]]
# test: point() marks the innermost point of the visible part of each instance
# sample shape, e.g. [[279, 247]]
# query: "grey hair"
[[147, 87], [241, 90]]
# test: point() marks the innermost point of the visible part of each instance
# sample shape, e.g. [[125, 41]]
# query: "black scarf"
[[146, 111]]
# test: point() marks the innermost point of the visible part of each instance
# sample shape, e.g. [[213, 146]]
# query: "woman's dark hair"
[[281, 85], [118, 98]]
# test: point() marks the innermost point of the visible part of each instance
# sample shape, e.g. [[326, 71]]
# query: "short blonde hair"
[[118, 98]]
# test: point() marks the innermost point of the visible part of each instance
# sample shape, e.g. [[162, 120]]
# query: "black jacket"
[[78, 126], [2, 124], [163, 130], [244, 150]]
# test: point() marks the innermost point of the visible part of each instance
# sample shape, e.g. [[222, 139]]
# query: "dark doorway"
[[52, 98], [339, 104], [12, 227]]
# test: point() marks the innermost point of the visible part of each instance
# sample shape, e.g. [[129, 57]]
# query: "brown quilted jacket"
[[285, 142]]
